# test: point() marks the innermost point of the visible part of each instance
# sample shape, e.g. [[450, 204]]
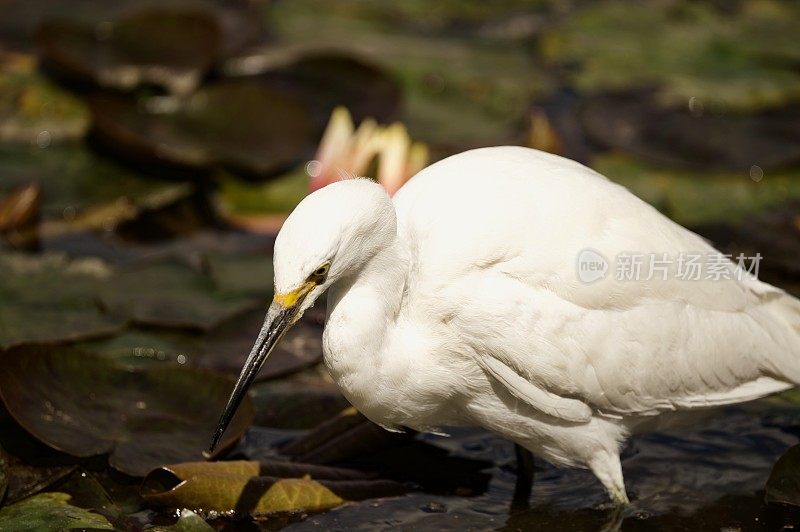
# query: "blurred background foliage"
[[149, 151]]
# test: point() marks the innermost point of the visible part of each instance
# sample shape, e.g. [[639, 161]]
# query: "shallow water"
[[706, 477]]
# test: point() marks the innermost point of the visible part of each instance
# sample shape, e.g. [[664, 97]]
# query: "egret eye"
[[321, 272]]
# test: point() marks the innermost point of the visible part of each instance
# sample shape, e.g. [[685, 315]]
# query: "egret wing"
[[495, 237]]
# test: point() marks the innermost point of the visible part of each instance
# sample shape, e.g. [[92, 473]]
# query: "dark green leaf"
[[87, 405], [49, 512]]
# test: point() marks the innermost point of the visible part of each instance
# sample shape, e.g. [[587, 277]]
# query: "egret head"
[[329, 236]]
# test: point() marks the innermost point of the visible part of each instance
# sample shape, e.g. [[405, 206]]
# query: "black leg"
[[524, 485]]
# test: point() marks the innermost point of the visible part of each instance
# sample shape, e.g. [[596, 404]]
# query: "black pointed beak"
[[279, 319]]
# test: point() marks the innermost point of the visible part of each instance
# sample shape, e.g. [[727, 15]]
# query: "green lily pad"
[[458, 92], [240, 21], [188, 521], [109, 495], [87, 405], [238, 488], [783, 485], [679, 137], [245, 274], [227, 347], [168, 47], [35, 111], [170, 294], [240, 125], [694, 198], [740, 59], [296, 403], [75, 179], [49, 299], [240, 201], [49, 512], [325, 80]]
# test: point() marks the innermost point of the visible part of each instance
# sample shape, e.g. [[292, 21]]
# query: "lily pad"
[[693, 198], [227, 347], [87, 405], [75, 180], [237, 488], [170, 294], [458, 92], [783, 485], [33, 110], [48, 299], [326, 80], [168, 47], [633, 122], [49, 512], [240, 125], [296, 403], [188, 521], [738, 60]]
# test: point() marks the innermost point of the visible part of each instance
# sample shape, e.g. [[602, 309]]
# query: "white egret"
[[458, 302]]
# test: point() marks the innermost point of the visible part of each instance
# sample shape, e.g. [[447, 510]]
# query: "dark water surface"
[[709, 476]]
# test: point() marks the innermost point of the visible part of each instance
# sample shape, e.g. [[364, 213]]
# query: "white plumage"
[[459, 303]]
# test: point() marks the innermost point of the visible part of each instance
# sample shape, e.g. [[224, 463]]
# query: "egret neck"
[[362, 307]]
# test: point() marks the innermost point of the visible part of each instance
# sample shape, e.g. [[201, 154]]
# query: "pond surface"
[[709, 476]]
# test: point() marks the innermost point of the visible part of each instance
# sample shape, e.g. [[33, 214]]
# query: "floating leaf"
[[24, 480], [227, 347], [682, 137], [479, 102], [243, 274], [325, 80], [783, 485], [170, 294], [46, 299], [187, 522], [739, 60], [238, 488], [87, 405], [693, 198], [33, 110], [296, 403], [81, 189], [168, 47], [49, 512], [241, 125]]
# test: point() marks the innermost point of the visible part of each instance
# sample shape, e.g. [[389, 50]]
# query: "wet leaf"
[[3, 475], [261, 207], [296, 403], [168, 47], [114, 498], [457, 92], [738, 60], [49, 512], [170, 294], [227, 347], [87, 405], [47, 299], [783, 485], [238, 488], [20, 208], [24, 480], [241, 125], [693, 198], [187, 522], [34, 111], [242, 274], [325, 80], [77, 183], [632, 122], [239, 20]]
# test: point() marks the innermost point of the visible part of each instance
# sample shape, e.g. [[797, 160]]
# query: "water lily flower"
[[347, 151]]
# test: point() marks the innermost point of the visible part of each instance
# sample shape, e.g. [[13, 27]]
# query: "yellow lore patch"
[[290, 299]]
